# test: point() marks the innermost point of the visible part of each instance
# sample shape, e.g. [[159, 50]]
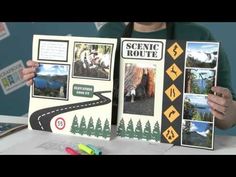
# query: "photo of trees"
[[199, 81], [196, 108]]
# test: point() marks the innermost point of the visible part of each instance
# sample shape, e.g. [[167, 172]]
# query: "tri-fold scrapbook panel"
[[163, 88], [163, 91], [72, 90]]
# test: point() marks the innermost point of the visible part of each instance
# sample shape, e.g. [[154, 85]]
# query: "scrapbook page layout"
[[72, 90], [7, 128], [163, 91]]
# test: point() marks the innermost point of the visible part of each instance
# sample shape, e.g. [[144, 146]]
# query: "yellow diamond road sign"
[[171, 113], [174, 72], [175, 50], [172, 92], [170, 134]]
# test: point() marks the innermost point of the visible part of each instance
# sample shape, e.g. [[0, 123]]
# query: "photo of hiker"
[[139, 89], [51, 81], [92, 60], [202, 54]]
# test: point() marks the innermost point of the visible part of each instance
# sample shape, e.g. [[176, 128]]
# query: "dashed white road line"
[[39, 117], [93, 103], [40, 123]]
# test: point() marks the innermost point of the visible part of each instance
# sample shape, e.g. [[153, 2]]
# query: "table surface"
[[40, 142]]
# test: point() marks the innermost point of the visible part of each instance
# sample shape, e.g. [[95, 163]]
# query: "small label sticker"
[[83, 90], [11, 78]]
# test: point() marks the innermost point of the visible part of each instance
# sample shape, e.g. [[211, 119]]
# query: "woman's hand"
[[223, 107], [28, 73]]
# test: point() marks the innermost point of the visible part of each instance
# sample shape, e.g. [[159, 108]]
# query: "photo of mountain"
[[202, 54], [51, 81], [197, 134]]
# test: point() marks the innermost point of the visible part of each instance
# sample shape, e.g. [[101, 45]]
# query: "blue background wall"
[[18, 47]]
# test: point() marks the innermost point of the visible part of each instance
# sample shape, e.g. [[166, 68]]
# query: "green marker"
[[86, 149], [97, 151]]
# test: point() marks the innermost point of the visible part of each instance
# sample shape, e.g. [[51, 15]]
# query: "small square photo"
[[51, 81]]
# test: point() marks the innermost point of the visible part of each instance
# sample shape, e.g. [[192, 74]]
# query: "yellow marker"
[[86, 149]]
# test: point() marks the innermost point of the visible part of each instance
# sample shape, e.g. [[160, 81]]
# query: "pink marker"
[[71, 151]]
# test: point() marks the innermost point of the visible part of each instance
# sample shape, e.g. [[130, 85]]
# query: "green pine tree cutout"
[[130, 129], [147, 131], [156, 135], [138, 130], [82, 128], [106, 129], [98, 129], [74, 127], [90, 128], [121, 128]]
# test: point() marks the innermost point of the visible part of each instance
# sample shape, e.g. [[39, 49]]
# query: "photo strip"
[[201, 65]]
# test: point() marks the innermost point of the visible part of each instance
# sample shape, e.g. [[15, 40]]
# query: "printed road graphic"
[[40, 120]]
